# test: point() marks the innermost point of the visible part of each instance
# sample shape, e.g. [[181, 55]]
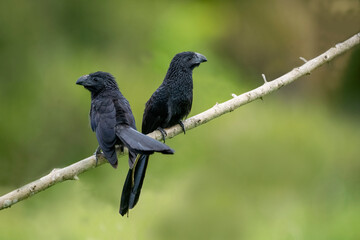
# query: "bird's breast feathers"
[[102, 111]]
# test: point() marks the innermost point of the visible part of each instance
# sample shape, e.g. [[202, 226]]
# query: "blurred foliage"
[[347, 97], [283, 168]]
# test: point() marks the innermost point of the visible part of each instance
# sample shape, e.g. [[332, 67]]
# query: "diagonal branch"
[[71, 172]]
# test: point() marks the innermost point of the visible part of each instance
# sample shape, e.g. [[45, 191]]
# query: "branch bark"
[[71, 172]]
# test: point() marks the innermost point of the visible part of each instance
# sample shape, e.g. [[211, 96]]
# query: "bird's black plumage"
[[168, 105], [113, 122]]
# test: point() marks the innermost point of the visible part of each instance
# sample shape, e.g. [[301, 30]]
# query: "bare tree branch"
[[71, 172]]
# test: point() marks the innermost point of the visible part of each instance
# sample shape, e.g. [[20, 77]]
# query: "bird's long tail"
[[133, 183], [140, 143]]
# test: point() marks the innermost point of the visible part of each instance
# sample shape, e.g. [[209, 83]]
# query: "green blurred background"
[[287, 167]]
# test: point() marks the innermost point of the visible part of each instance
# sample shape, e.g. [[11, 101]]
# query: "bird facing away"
[[168, 105], [112, 120]]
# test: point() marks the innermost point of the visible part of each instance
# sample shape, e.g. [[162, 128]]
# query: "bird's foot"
[[97, 154], [163, 133], [182, 126]]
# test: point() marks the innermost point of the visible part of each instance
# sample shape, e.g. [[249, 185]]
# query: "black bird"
[[168, 105], [113, 122]]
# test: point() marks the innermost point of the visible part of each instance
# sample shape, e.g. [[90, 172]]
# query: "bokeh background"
[[287, 167]]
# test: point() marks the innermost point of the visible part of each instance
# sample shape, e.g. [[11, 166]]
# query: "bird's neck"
[[94, 95], [107, 90], [174, 74]]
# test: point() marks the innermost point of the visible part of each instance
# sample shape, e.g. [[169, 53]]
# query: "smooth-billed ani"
[[168, 105], [112, 120]]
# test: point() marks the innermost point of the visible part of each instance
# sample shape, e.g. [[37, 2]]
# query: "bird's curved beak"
[[82, 80], [200, 58]]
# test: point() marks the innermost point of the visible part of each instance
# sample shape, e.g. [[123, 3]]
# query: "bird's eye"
[[95, 79]]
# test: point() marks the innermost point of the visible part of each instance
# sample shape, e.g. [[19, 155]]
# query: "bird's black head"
[[187, 60], [97, 82]]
